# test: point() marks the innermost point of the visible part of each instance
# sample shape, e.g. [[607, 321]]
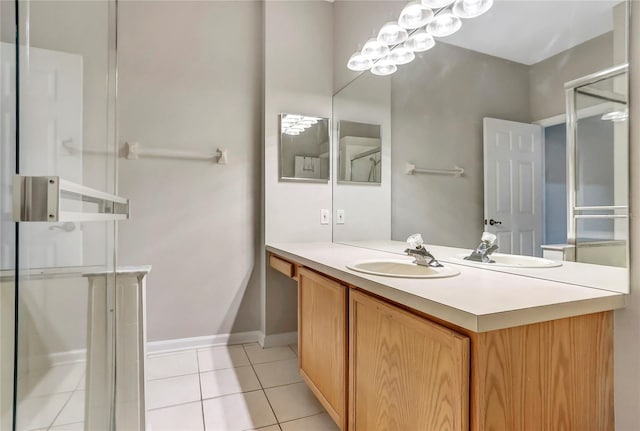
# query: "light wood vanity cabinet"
[[322, 341], [406, 373], [377, 365]]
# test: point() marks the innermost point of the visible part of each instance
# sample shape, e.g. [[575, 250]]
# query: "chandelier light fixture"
[[418, 24]]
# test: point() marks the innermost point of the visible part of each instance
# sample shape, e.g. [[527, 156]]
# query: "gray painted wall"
[[627, 321], [437, 105], [367, 207], [184, 86], [555, 154], [296, 83], [547, 80]]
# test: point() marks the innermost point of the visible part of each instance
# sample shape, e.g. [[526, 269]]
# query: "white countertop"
[[603, 277], [479, 300]]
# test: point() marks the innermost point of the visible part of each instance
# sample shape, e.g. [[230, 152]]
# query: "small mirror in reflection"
[[304, 148], [360, 153]]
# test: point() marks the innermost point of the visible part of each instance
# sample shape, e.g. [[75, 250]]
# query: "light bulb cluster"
[[419, 22], [616, 116], [293, 125]]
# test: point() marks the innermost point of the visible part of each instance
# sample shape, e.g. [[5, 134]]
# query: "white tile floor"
[[241, 387], [52, 398]]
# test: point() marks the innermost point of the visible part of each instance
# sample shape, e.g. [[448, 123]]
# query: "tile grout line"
[[279, 423], [252, 365], [223, 368], [244, 392], [204, 426], [262, 388], [294, 351], [188, 349], [305, 417], [171, 377], [193, 402], [271, 361], [53, 421]]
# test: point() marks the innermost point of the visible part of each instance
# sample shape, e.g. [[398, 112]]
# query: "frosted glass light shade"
[[401, 55], [359, 62], [471, 8], [436, 4], [415, 15], [384, 67], [420, 41], [374, 50], [444, 24], [616, 116], [392, 34]]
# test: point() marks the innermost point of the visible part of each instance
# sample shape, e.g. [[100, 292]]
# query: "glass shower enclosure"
[[598, 167], [60, 208]]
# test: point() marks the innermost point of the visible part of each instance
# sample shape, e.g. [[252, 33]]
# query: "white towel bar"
[[411, 169], [134, 150]]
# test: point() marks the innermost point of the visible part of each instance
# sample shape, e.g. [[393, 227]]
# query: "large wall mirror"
[[304, 148], [530, 101]]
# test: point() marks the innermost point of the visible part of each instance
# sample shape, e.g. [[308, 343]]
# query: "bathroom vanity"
[[481, 351]]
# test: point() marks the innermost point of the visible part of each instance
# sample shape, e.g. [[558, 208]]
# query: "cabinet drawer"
[[281, 265]]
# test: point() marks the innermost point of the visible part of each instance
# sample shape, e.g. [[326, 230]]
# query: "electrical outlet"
[[339, 216], [324, 216]]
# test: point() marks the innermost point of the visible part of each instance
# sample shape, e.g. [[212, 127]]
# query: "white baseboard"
[[58, 358], [281, 339], [203, 342]]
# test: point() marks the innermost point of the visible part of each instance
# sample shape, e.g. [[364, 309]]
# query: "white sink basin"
[[402, 269], [513, 261]]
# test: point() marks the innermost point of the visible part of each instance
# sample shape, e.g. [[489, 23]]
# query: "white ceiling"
[[529, 31]]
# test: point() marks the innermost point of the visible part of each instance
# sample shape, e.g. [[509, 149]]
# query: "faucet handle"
[[489, 237], [415, 241]]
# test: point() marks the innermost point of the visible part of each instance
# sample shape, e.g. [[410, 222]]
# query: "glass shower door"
[[66, 207], [598, 145]]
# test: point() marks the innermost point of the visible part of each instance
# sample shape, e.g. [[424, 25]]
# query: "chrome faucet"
[[485, 249], [421, 255]]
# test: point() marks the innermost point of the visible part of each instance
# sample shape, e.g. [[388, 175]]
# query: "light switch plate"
[[339, 216], [324, 216]]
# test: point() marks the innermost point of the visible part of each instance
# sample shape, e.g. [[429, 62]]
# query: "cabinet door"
[[406, 372], [322, 341]]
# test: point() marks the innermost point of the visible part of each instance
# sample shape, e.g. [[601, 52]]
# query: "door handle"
[[65, 227], [494, 222]]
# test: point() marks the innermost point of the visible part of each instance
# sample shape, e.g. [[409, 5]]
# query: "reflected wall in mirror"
[[363, 105], [491, 99], [359, 152], [304, 148]]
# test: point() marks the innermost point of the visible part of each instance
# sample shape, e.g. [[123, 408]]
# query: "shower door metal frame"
[[575, 212]]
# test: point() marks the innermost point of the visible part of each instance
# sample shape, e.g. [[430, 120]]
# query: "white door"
[[513, 179], [50, 136]]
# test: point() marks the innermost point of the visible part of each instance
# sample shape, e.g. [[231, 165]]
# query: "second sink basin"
[[513, 261], [402, 269]]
